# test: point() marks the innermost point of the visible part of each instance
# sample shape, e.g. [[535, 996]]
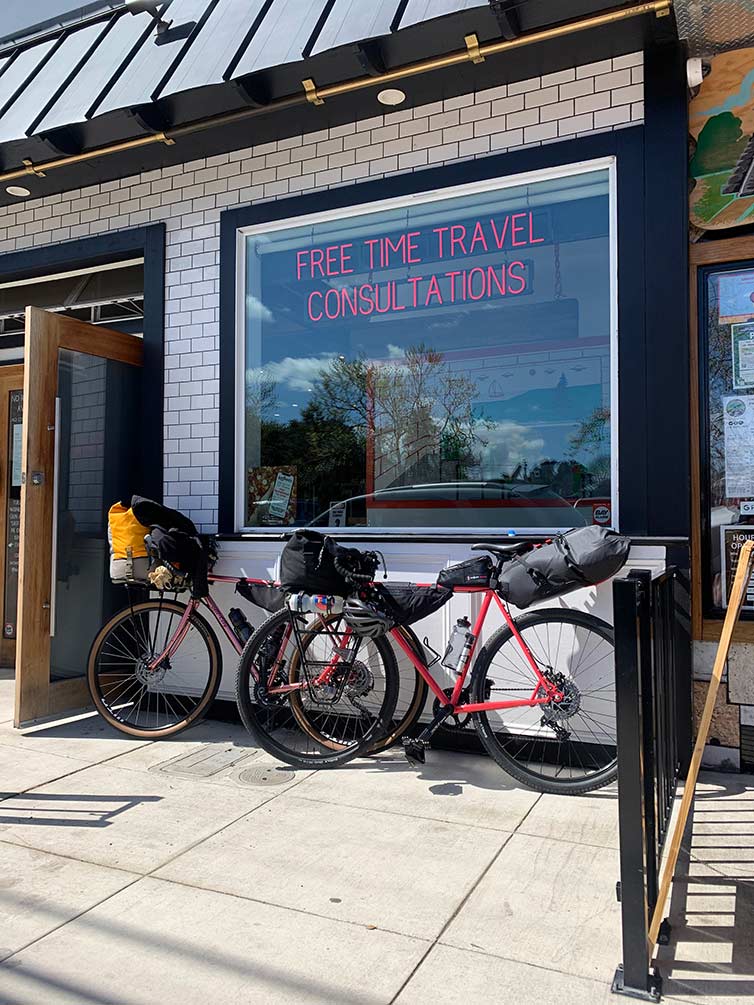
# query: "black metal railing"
[[654, 708]]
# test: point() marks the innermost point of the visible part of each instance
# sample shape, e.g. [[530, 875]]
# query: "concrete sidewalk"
[[199, 870]]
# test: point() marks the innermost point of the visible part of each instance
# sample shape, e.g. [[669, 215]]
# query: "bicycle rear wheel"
[[568, 746], [291, 715], [153, 703]]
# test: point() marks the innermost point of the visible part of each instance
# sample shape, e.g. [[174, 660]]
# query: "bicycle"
[[561, 738], [155, 668]]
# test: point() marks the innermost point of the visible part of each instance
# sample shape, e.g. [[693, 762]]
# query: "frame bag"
[[406, 603], [582, 557]]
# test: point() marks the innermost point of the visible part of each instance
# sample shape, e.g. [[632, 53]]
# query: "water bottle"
[[457, 645], [317, 603], [241, 626]]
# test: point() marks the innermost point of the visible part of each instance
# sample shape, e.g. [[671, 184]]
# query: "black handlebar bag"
[[582, 557], [312, 563]]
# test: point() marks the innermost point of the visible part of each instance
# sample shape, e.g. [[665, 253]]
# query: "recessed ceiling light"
[[391, 96], [18, 190]]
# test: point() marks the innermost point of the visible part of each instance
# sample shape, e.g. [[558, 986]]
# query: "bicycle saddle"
[[507, 550]]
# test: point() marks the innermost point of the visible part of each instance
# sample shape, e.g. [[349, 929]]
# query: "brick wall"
[[190, 198]]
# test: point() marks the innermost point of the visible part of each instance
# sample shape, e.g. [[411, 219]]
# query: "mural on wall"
[[721, 123]]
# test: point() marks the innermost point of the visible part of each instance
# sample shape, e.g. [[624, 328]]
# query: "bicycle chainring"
[[454, 721]]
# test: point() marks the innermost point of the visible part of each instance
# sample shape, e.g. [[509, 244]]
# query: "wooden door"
[[50, 339], [11, 404]]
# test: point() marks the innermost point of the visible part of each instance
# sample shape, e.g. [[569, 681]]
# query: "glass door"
[[11, 427], [80, 454]]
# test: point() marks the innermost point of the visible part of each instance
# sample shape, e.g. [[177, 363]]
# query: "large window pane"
[[442, 363], [728, 358]]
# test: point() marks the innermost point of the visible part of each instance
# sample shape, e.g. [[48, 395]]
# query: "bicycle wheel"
[[311, 724], [568, 746], [412, 697], [159, 702]]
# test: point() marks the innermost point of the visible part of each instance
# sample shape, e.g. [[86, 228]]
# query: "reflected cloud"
[[509, 443], [256, 310], [297, 373]]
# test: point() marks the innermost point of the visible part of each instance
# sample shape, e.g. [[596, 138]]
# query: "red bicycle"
[[540, 692]]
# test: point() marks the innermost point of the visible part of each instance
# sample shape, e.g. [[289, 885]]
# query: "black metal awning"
[[113, 76]]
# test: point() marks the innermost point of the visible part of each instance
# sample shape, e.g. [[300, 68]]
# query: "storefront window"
[[432, 361], [728, 407]]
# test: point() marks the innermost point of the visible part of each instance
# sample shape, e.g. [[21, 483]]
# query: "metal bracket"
[[310, 89], [472, 47], [31, 168], [652, 994]]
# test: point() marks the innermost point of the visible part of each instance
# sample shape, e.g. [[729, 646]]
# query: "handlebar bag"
[[129, 561], [312, 563], [582, 557]]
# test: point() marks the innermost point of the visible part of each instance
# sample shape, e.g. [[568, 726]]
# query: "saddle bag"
[[582, 557]]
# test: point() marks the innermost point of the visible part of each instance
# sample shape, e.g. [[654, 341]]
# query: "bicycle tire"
[[285, 716], [414, 708], [98, 680], [500, 742]]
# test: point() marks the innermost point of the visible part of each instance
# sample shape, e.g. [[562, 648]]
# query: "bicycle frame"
[[194, 604], [544, 692]]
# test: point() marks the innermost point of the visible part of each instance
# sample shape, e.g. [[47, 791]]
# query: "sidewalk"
[[198, 870]]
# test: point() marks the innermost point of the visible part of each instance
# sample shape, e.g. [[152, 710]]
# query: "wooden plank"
[[743, 572], [35, 546], [733, 249], [11, 379], [712, 630], [79, 336]]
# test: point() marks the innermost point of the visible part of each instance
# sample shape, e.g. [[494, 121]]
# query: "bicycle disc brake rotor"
[[559, 712], [149, 677], [359, 680]]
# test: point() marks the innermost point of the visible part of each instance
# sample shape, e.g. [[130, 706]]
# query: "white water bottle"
[[316, 603], [457, 643]]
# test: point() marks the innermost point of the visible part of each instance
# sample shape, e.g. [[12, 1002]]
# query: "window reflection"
[[443, 364]]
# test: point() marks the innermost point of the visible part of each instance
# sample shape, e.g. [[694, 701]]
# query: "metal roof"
[[122, 61], [112, 76]]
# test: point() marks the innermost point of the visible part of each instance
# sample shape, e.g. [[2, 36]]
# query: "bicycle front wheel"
[[567, 746], [296, 716], [146, 701]]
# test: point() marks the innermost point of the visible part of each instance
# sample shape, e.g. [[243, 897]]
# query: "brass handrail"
[[473, 52]]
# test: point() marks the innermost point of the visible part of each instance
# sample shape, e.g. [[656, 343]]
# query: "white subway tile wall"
[[190, 197]]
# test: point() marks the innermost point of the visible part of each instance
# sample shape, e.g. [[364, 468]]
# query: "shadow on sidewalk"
[[66, 809], [711, 952]]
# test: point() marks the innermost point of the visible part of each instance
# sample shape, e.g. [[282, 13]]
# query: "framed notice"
[[738, 424], [742, 347], [732, 539], [736, 291]]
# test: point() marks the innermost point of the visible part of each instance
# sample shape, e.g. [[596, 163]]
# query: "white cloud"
[[295, 373], [256, 310], [508, 443]]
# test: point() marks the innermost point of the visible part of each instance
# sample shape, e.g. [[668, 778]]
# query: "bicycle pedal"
[[415, 752]]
